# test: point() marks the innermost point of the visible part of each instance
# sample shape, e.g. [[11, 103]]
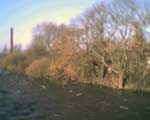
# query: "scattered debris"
[[124, 107], [125, 100], [56, 115], [79, 94], [70, 91], [105, 103], [43, 86]]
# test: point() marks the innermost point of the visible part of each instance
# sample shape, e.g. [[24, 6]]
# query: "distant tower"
[[11, 40]]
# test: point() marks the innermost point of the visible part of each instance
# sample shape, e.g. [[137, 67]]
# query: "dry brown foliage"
[[38, 68]]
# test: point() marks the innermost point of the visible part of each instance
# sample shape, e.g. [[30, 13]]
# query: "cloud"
[[148, 29]]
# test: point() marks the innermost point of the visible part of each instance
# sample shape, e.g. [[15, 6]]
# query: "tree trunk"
[[121, 80]]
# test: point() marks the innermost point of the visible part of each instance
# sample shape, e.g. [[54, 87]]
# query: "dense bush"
[[63, 68], [38, 68], [15, 62]]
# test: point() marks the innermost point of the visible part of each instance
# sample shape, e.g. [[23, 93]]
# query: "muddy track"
[[24, 99]]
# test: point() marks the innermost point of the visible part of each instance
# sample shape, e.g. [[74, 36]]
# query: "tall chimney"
[[11, 40]]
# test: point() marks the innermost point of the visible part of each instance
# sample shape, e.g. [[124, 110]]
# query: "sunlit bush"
[[71, 72], [63, 68], [15, 62], [38, 68]]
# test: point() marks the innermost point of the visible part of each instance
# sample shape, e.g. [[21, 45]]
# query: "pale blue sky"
[[23, 15]]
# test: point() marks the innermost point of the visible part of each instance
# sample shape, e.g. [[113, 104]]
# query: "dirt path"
[[23, 99]]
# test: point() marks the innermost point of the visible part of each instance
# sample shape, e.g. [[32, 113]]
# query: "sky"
[[23, 15]]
